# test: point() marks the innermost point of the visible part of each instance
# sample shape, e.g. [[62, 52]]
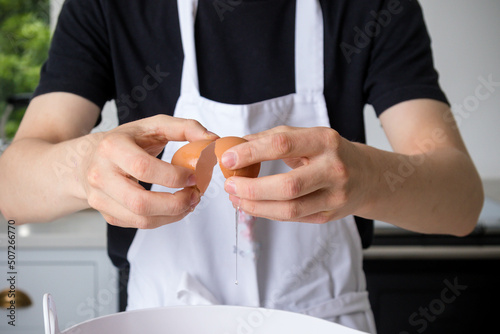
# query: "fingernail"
[[191, 181], [195, 199], [211, 134], [230, 187], [229, 159]]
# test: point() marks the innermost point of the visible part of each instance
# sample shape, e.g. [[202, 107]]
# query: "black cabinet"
[[434, 295]]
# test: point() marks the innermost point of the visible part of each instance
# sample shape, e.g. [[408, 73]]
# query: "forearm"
[[434, 192], [40, 180]]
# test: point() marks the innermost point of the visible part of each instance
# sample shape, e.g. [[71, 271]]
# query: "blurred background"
[[406, 272], [24, 43]]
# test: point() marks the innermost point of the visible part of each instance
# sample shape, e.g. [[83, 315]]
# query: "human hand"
[[326, 182], [127, 154]]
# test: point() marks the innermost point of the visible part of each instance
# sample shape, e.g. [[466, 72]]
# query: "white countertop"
[[431, 252], [84, 229]]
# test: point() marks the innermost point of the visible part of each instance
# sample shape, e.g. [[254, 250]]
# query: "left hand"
[[327, 180]]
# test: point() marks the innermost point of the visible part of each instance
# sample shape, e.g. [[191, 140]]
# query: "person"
[[293, 77]]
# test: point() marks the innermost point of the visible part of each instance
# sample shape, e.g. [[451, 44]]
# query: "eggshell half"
[[224, 144], [199, 157]]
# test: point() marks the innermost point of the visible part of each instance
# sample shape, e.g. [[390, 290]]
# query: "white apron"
[[306, 268]]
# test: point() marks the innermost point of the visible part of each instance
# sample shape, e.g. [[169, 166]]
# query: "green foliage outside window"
[[24, 44]]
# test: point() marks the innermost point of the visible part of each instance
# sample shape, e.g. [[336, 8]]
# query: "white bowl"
[[196, 320]]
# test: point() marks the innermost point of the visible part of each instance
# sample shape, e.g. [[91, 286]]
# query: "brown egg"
[[201, 157], [224, 144]]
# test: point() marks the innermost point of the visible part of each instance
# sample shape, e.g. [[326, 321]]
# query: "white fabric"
[[306, 268], [309, 64], [192, 292]]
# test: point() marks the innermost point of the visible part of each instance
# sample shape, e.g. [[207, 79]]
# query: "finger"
[[292, 162], [293, 184], [278, 129], [298, 142], [291, 210], [168, 128], [322, 217], [116, 214], [141, 222], [142, 202], [134, 161]]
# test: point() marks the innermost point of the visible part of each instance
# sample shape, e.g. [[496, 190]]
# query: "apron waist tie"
[[351, 302], [191, 292]]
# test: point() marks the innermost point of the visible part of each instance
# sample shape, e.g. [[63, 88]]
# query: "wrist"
[[74, 164], [369, 176]]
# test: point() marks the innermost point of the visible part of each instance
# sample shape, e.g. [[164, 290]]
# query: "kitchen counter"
[[431, 252], [492, 189], [84, 229]]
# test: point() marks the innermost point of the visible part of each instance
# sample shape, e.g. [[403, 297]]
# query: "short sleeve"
[[401, 63], [79, 58]]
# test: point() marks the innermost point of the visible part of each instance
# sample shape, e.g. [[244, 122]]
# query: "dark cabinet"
[[434, 295]]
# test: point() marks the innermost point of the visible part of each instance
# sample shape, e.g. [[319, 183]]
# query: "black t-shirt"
[[376, 52]]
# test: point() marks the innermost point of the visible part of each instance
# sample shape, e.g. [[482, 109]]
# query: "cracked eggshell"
[[199, 157], [224, 144]]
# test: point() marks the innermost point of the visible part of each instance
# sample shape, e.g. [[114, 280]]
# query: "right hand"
[[127, 154]]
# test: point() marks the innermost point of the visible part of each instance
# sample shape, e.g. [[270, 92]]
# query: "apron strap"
[[309, 46], [187, 15], [309, 57]]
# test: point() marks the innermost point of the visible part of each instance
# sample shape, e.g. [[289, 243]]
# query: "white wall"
[[466, 44]]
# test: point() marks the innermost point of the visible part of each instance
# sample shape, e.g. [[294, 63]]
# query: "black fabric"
[[123, 276], [376, 52], [119, 240]]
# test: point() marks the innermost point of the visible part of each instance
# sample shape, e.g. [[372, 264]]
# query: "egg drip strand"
[[236, 220]]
